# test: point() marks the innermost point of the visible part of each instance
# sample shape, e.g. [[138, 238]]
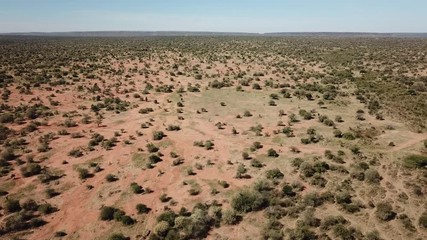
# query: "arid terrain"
[[213, 137]]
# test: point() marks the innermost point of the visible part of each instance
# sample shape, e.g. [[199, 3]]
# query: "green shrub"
[[152, 148], [341, 232], [348, 136], [59, 234], [118, 236], [385, 211], [307, 169], [330, 221], [422, 221], [372, 176], [374, 235], [337, 133], [31, 169], [161, 229], [173, 128], [288, 190], [75, 153], [153, 159], [37, 222], [137, 189], [224, 184], [272, 230], [247, 201], [209, 145], [167, 216], [158, 135], [142, 208], [415, 161], [30, 205], [46, 208], [107, 213], [274, 174], [127, 220], [50, 193], [230, 217], [12, 205], [272, 153], [83, 173], [118, 215], [111, 178], [302, 232], [256, 163], [7, 154], [407, 222], [241, 170]]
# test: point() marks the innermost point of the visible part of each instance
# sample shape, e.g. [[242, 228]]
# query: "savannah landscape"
[[213, 137]]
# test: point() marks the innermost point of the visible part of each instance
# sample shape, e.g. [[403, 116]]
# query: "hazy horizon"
[[250, 16]]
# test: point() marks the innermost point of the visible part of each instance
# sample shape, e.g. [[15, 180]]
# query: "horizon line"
[[204, 31]]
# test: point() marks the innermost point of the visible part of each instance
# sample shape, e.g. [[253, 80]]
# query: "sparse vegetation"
[[289, 127]]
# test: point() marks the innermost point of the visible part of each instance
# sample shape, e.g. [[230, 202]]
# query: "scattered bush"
[[158, 135], [12, 205], [274, 174], [83, 173], [247, 201], [142, 208], [111, 178], [137, 189], [31, 169], [230, 217], [118, 236], [372, 176], [385, 211], [272, 153], [415, 161], [422, 221]]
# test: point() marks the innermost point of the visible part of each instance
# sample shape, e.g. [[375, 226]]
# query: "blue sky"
[[214, 15]]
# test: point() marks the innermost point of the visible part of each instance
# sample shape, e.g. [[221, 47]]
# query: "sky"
[[257, 16]]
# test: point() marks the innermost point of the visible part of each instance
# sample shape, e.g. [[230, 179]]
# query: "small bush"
[[348, 136], [372, 176], [224, 184], [60, 234], [230, 217], [209, 145], [30, 205], [158, 135], [137, 189], [142, 208], [118, 236], [127, 220], [167, 216], [75, 153], [31, 169], [330, 221], [422, 221], [152, 148], [46, 208], [173, 128], [274, 174], [12, 206], [256, 163], [107, 213], [83, 173], [272, 153], [415, 161], [247, 201], [385, 211], [111, 178]]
